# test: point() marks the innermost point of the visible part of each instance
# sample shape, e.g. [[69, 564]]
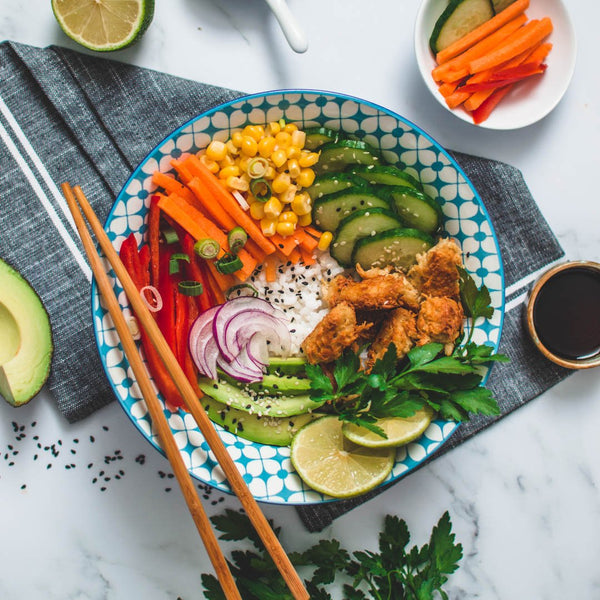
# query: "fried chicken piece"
[[337, 331], [378, 292], [435, 273], [439, 320], [400, 327]]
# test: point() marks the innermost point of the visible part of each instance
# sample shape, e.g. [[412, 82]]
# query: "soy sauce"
[[566, 313]]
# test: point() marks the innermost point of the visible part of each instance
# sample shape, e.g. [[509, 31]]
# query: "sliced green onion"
[[170, 235], [230, 263], [207, 248], [237, 239], [282, 123], [257, 167], [242, 289], [174, 266], [261, 189], [190, 288]]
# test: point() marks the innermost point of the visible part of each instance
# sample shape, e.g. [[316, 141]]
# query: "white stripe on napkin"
[[515, 287], [45, 201]]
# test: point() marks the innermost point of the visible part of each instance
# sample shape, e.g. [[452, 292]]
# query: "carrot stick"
[[305, 241], [185, 216], [285, 245], [447, 88], [308, 257], [182, 170], [229, 203], [215, 211], [457, 98], [525, 38], [196, 223], [270, 266], [220, 282], [458, 67], [171, 185], [479, 33], [538, 54], [294, 256]]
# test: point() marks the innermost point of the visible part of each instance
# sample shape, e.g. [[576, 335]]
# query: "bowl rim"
[[477, 197], [586, 363]]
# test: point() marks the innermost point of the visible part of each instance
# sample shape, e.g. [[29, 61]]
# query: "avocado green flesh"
[[292, 365], [262, 430], [259, 402], [274, 383], [25, 338]]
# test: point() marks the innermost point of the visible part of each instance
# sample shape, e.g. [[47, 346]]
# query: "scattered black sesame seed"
[[105, 427], [103, 489], [92, 439]]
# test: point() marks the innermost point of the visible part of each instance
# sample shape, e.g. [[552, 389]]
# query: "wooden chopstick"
[[192, 403], [154, 407]]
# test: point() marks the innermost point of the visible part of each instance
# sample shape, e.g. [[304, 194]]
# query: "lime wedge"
[[331, 464], [399, 431], [104, 25]]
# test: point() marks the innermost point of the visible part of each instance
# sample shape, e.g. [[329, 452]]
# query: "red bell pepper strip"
[[167, 291], [144, 254], [487, 106], [498, 83], [195, 272], [523, 70], [153, 239]]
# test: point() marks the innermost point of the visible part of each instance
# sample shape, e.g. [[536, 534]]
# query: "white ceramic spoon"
[[293, 34]]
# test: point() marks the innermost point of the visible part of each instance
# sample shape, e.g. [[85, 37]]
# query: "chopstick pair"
[[77, 202]]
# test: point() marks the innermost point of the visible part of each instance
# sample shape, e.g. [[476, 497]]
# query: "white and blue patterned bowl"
[[267, 469]]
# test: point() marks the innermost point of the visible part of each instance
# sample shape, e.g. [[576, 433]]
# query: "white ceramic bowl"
[[528, 102]]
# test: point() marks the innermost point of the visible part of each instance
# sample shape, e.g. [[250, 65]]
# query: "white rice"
[[297, 292]]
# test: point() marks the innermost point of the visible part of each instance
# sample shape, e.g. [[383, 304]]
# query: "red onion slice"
[[203, 347]]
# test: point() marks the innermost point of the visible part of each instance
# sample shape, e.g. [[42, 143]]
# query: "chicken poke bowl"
[[329, 281]]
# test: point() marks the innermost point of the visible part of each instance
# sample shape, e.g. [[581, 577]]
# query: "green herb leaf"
[[476, 301]]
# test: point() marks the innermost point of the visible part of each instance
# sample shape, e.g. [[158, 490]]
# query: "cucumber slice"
[[328, 211], [415, 208], [500, 5], [386, 175], [338, 155], [360, 224], [459, 18], [262, 430], [317, 136], [333, 182], [397, 247], [255, 402]]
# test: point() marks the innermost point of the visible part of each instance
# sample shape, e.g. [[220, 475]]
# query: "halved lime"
[[399, 431], [104, 25], [331, 464]]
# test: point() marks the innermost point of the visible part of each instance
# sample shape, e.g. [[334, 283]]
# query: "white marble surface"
[[523, 496]]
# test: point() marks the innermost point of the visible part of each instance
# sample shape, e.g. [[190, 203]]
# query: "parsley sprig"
[[395, 572], [450, 385]]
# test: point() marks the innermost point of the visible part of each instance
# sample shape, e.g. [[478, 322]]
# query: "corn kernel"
[[293, 152], [257, 210], [290, 128], [325, 240], [283, 139], [237, 183], [228, 161], [232, 148], [301, 204], [289, 194], [306, 178], [281, 183], [287, 216], [216, 150], [305, 220], [229, 171], [211, 165], [308, 159], [266, 146], [273, 208], [293, 168], [279, 157], [249, 146], [268, 226], [298, 138], [270, 173], [285, 228], [237, 138], [274, 128], [254, 131]]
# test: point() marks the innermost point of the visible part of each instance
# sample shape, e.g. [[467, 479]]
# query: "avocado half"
[[25, 338]]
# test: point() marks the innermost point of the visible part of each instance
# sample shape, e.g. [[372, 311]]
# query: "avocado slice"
[[274, 384], [292, 365], [257, 401], [263, 430], [25, 338]]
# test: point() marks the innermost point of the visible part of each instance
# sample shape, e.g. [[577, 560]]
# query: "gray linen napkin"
[[66, 116]]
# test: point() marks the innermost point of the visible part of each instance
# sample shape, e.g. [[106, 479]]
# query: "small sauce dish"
[[563, 314]]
